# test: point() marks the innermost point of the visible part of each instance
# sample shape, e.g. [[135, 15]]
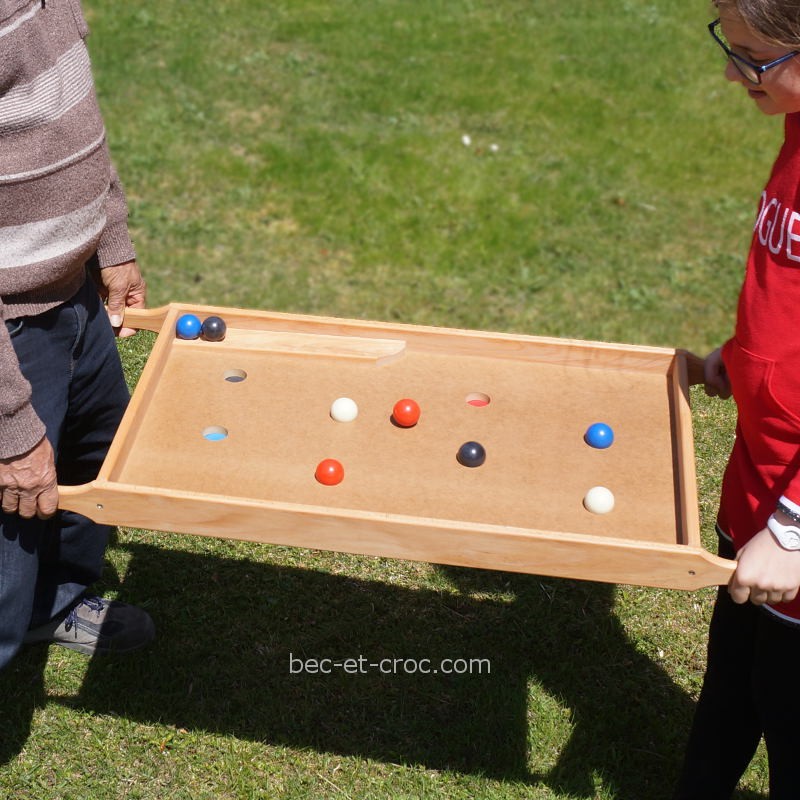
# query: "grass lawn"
[[580, 171]]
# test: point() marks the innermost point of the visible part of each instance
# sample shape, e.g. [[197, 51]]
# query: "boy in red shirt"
[[754, 638]]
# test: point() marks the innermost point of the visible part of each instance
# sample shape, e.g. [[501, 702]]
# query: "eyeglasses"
[[751, 72]]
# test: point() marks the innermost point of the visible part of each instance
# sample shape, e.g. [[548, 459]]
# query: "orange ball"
[[329, 472], [406, 413]]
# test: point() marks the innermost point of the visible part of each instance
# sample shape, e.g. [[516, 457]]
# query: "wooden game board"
[[269, 385]]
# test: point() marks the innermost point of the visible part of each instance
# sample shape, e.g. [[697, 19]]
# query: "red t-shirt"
[[763, 361]]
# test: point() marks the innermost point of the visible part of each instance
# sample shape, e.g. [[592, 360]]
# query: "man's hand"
[[28, 483], [122, 287], [766, 573], [717, 383]]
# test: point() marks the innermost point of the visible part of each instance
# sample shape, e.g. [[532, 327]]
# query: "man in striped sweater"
[[63, 222]]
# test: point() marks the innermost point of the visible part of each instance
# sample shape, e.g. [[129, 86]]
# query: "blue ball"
[[599, 435], [188, 326]]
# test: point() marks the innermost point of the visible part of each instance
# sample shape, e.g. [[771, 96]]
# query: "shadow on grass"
[[227, 629], [21, 693]]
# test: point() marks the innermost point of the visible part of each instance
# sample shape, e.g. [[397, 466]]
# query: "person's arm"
[[766, 572], [717, 383], [20, 427], [122, 287], [121, 282], [768, 569], [115, 245], [28, 482]]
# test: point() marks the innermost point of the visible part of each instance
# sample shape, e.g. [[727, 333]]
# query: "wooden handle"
[[83, 499], [145, 319]]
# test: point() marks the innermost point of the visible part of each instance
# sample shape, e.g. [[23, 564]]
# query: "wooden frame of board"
[[265, 391]]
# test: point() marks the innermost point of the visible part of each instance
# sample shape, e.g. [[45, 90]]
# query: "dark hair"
[[777, 21]]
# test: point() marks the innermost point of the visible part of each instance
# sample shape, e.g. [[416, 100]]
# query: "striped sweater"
[[60, 199]]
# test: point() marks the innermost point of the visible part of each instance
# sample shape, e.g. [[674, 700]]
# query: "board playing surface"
[[538, 467]]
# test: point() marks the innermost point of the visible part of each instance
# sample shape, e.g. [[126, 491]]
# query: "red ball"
[[329, 472], [406, 413]]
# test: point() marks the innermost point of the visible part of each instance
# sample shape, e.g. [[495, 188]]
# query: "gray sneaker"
[[95, 625]]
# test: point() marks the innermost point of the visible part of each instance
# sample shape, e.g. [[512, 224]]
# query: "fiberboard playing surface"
[[538, 467], [267, 389]]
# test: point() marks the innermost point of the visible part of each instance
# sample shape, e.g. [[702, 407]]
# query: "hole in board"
[[215, 433], [234, 375], [478, 399]]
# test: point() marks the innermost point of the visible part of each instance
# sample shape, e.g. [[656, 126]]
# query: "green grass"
[[307, 156]]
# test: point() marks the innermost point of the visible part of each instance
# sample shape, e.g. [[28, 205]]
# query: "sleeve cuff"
[[790, 504], [20, 432], [115, 247]]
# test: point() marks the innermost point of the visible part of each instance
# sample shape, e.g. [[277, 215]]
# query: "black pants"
[[751, 689]]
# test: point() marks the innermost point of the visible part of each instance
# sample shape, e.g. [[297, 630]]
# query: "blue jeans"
[[69, 356]]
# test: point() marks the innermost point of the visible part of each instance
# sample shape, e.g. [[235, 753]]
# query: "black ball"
[[214, 329], [471, 454]]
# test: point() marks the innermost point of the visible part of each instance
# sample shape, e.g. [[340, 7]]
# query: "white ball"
[[599, 500], [343, 409]]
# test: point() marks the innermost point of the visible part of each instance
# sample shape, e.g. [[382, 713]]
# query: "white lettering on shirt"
[[777, 227]]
